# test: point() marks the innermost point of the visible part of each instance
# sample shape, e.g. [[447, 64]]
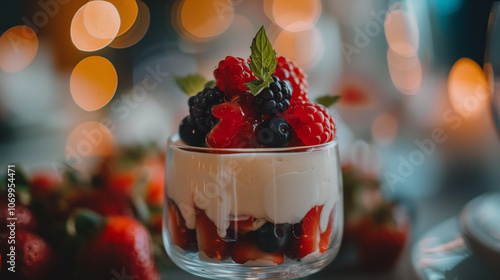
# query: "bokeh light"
[[353, 95], [406, 72], [87, 140], [137, 31], [93, 83], [303, 47], [18, 48], [128, 10], [103, 20], [201, 20], [401, 31], [296, 15], [385, 129], [468, 88]]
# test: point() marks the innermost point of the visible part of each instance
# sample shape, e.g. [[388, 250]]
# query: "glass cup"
[[252, 213]]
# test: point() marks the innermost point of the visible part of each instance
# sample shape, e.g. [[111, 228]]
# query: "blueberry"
[[272, 237], [275, 132], [190, 134]]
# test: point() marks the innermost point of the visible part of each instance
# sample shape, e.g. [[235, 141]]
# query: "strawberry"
[[178, 233], [25, 218], [155, 186], [245, 250], [43, 184], [381, 238], [209, 241], [327, 234], [101, 201], [115, 245], [121, 182], [34, 258], [305, 235]]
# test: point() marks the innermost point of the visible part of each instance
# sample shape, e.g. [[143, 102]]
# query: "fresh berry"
[[272, 237], [274, 132], [24, 217], [325, 236], [179, 234], [209, 241], [190, 134], [98, 201], [288, 71], [243, 226], [312, 122], [231, 74], [274, 99], [118, 243], [237, 125], [245, 250], [381, 238], [200, 108], [34, 258], [43, 184], [305, 235]]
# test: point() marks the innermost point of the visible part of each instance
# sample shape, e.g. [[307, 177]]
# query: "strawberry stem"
[[86, 223]]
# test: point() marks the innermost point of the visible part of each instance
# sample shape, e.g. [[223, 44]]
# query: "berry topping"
[[231, 75], [200, 108], [274, 132], [271, 237], [312, 122], [274, 99], [287, 70], [190, 134], [200, 121]]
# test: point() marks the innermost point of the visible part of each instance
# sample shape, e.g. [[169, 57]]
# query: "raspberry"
[[274, 99], [194, 128], [237, 125], [231, 74], [287, 70], [311, 122]]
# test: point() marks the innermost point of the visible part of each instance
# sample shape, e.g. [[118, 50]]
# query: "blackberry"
[[200, 120], [274, 132], [274, 99]]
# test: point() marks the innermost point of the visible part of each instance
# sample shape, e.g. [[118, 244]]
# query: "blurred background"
[[80, 78]]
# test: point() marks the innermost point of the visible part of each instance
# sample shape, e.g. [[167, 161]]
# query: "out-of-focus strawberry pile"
[[108, 224], [103, 226]]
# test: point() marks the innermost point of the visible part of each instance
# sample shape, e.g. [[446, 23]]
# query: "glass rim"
[[175, 142]]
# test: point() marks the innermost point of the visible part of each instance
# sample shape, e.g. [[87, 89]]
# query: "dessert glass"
[[218, 201]]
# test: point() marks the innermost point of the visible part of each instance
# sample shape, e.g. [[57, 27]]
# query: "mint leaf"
[[210, 84], [256, 86], [191, 84], [328, 100], [263, 58]]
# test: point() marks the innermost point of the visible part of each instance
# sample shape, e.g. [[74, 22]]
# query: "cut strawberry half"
[[246, 250], [179, 234], [305, 235], [324, 238], [209, 241]]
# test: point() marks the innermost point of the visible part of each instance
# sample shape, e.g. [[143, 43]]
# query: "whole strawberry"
[[116, 246], [34, 258]]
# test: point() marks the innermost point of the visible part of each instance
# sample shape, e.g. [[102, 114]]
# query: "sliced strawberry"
[[209, 241], [327, 234], [246, 225], [305, 235], [246, 249], [179, 234]]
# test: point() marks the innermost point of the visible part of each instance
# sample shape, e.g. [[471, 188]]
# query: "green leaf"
[[328, 100], [256, 86], [210, 84], [191, 84], [263, 58]]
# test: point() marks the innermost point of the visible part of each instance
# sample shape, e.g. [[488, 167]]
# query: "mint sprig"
[[191, 84], [262, 62], [328, 100]]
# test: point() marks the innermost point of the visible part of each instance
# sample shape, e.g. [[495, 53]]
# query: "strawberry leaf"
[[191, 84], [328, 100]]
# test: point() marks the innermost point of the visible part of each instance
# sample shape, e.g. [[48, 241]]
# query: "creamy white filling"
[[277, 187]]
